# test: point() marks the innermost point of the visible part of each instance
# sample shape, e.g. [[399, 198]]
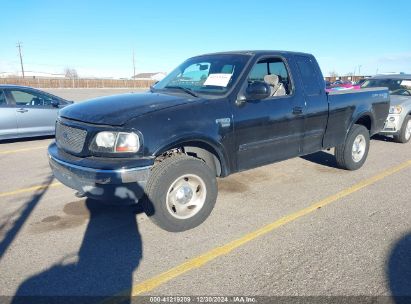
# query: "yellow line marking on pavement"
[[22, 150], [29, 189], [203, 259]]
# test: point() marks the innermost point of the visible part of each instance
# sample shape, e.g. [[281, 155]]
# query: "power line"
[[21, 57]]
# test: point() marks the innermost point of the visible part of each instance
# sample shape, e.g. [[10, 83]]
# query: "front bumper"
[[104, 184], [392, 124]]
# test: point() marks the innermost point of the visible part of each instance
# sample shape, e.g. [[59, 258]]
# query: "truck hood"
[[397, 100], [116, 110]]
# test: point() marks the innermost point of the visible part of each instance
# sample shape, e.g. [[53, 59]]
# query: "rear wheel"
[[405, 133], [182, 191], [352, 154]]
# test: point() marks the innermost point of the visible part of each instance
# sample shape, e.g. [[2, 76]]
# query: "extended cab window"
[[309, 75], [274, 72]]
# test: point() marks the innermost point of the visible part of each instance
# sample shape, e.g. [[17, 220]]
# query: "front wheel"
[[352, 154], [405, 133], [182, 191]]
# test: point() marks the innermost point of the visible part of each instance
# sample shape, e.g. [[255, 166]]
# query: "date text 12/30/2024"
[[202, 299]]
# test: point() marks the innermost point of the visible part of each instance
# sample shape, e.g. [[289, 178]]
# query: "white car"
[[398, 122]]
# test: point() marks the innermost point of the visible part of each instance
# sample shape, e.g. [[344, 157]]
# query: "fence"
[[77, 83]]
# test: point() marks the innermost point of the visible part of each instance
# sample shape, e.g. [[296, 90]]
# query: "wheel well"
[[365, 121], [199, 150]]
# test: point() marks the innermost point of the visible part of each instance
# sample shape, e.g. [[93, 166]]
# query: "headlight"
[[115, 142], [395, 109], [106, 139]]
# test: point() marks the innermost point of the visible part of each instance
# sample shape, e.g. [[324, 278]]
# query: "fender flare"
[[200, 145]]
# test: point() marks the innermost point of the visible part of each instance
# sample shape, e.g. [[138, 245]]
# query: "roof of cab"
[[256, 52]]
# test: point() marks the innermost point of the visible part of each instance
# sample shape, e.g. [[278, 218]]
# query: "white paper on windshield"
[[220, 79], [406, 83]]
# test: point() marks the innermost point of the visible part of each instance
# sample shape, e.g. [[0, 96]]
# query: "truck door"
[[315, 110], [271, 129]]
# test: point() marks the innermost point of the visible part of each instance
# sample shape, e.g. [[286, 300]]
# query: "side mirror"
[[55, 103], [257, 90]]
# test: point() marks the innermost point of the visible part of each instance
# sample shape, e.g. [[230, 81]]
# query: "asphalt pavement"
[[300, 227]]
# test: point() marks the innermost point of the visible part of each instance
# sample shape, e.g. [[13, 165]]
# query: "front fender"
[[200, 140]]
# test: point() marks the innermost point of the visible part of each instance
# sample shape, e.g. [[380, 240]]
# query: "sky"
[[97, 38]]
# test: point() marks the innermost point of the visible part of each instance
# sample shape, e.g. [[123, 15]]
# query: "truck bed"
[[350, 105]]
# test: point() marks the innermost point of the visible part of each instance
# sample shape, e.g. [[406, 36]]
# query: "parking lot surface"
[[300, 227]]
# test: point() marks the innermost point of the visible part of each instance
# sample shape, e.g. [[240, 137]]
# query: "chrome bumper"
[[392, 124], [101, 184]]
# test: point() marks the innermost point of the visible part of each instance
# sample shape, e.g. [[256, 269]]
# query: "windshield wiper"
[[186, 90]]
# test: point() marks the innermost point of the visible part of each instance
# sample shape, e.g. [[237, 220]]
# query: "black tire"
[[343, 153], [163, 175], [402, 136]]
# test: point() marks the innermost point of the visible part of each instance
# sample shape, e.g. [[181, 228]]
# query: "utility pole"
[[21, 58], [134, 65]]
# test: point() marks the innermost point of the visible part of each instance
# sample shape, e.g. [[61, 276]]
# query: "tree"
[[70, 73], [333, 74]]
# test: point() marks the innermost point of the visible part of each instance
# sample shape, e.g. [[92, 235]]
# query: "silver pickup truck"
[[398, 122]]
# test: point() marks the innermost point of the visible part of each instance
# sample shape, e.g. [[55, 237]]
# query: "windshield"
[[209, 74], [396, 86]]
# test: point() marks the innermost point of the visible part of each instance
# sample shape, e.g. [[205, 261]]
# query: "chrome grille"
[[69, 138]]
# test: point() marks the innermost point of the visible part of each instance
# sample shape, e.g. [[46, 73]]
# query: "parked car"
[[340, 85], [398, 122], [361, 81], [27, 112], [327, 84], [252, 108]]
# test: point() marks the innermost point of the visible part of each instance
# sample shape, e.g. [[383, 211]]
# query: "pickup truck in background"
[[214, 115]]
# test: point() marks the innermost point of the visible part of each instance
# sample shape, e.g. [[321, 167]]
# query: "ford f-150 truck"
[[214, 115]]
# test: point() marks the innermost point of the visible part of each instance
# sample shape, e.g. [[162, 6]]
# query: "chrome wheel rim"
[[408, 130], [358, 148], [186, 196]]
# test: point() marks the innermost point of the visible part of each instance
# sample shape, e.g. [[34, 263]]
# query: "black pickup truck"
[[214, 115]]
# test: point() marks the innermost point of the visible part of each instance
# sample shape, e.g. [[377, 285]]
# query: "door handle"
[[297, 110], [22, 110]]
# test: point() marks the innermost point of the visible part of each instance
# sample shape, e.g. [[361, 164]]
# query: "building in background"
[[150, 76]]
